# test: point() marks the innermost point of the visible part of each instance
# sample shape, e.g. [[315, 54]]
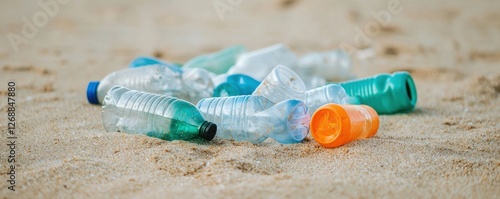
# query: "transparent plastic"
[[160, 79], [237, 84], [218, 62], [386, 93], [331, 93], [257, 64], [191, 85], [255, 118], [312, 82], [333, 125], [197, 84], [332, 65], [219, 79], [154, 115], [283, 84]]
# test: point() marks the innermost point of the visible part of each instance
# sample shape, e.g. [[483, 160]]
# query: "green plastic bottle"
[[386, 93], [154, 115], [218, 62]]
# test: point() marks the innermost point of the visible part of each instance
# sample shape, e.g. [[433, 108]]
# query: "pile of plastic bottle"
[[250, 96]]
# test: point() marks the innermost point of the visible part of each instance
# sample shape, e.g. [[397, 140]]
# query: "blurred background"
[[96, 34]]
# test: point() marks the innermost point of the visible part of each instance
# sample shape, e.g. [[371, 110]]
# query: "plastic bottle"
[[332, 65], [154, 115], [333, 125], [237, 84], [331, 93], [219, 79], [191, 85], [257, 64], [218, 62], [145, 61], [255, 118], [197, 84], [282, 84], [313, 81], [386, 93], [161, 79]]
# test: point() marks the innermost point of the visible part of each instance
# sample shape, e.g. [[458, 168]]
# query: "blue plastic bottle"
[[237, 84]]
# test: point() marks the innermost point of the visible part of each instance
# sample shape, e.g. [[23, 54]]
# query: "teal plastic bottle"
[[237, 84], [154, 115], [147, 61], [386, 93], [218, 62]]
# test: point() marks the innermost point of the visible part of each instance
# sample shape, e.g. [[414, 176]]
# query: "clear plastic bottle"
[[257, 64], [331, 93], [333, 125], [283, 84], [161, 79], [154, 115], [219, 79], [332, 65], [237, 84], [191, 85], [255, 118], [218, 62]]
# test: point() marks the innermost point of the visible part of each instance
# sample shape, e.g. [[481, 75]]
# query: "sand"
[[448, 147]]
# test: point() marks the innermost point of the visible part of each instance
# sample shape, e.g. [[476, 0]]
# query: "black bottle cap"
[[208, 130]]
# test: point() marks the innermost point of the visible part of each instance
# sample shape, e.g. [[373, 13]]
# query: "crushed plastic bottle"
[[160, 79], [218, 62], [255, 118], [386, 93], [197, 83], [237, 84], [145, 61], [257, 64], [320, 96], [283, 84], [333, 125], [332, 65], [154, 115]]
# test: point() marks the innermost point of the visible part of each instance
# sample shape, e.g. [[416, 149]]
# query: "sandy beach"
[[448, 147]]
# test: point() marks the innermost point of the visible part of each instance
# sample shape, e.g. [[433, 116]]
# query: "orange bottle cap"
[[333, 125]]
